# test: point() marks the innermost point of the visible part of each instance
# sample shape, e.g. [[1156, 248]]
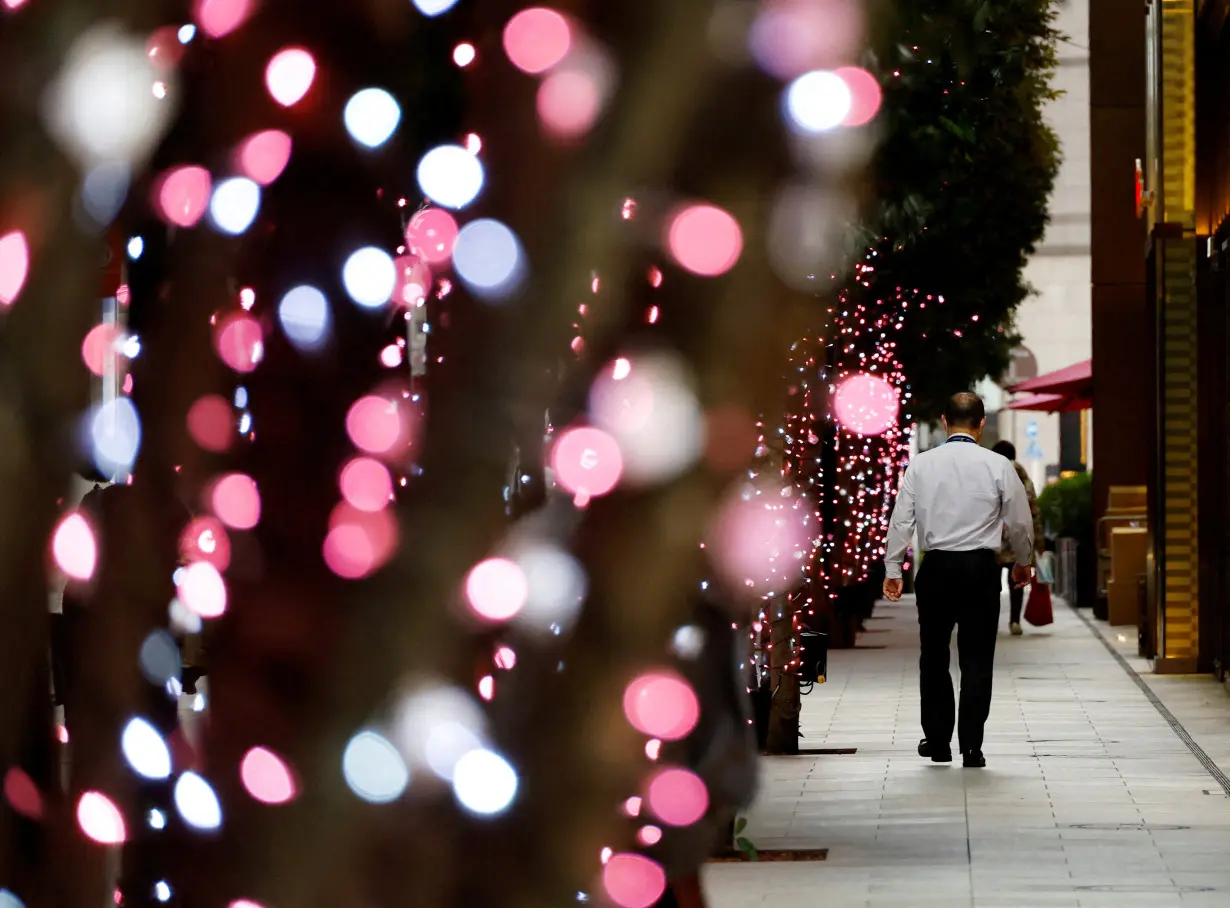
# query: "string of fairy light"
[[866, 466]]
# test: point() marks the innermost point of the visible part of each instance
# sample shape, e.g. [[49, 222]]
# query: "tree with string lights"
[[962, 179], [408, 697]]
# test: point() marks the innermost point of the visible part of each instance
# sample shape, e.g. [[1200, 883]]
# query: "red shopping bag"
[[1038, 610]]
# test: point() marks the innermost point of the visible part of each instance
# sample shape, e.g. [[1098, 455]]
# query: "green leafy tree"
[[963, 179]]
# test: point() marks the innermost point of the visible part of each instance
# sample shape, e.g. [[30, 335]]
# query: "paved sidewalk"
[[1090, 797]]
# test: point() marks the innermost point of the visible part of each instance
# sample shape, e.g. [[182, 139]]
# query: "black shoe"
[[973, 759], [934, 754]]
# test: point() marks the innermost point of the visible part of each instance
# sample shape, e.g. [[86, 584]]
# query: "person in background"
[[1016, 594], [958, 496]]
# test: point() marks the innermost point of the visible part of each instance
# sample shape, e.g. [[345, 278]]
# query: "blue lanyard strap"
[[962, 438]]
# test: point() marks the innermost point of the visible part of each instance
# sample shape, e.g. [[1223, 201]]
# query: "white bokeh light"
[[145, 750], [371, 116], [818, 101], [648, 406], [370, 277], [436, 725], [136, 246], [234, 205], [434, 7], [373, 769], [186, 33], [115, 436], [197, 803], [484, 783], [305, 318], [557, 587], [489, 258], [450, 176], [100, 109]]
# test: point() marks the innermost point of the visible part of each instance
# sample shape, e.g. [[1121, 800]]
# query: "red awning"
[[1075, 380], [1051, 403]]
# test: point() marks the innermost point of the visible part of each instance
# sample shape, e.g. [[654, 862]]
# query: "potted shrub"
[[1067, 509]]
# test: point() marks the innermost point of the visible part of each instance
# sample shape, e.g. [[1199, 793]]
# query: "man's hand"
[[1022, 576], [892, 590]]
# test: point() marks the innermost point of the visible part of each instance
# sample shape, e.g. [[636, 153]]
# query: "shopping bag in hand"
[[1046, 568], [1038, 610]]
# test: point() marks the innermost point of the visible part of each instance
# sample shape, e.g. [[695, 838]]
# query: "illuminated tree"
[[356, 646]]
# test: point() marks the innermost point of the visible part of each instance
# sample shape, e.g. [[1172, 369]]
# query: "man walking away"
[[959, 496], [1007, 558]]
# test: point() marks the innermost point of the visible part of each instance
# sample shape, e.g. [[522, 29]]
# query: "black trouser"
[[1016, 596], [958, 589]]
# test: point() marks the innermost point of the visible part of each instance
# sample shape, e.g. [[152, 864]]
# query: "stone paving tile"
[[1090, 798]]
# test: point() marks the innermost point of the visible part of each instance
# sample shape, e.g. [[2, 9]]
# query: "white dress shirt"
[[959, 496]]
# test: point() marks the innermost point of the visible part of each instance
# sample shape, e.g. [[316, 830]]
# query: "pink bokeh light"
[[240, 342], [865, 95], [202, 589], [264, 155], [348, 552], [587, 461], [74, 548], [432, 233], [537, 39], [236, 501], [99, 344], [569, 102], [211, 423], [289, 75], [486, 687], [22, 794], [792, 37], [496, 589], [505, 658], [267, 777], [100, 819], [164, 49], [866, 404], [374, 424], [206, 539], [14, 266], [366, 484], [182, 195], [704, 239], [413, 281], [221, 17], [391, 356], [661, 704], [633, 880], [358, 542], [756, 540], [649, 836], [678, 797]]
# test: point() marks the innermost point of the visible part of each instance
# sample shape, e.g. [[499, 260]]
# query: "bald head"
[[965, 412]]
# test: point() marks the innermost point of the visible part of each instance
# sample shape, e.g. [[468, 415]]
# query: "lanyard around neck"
[[967, 439]]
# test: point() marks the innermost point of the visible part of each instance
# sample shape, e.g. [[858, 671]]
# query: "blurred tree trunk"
[[303, 660]]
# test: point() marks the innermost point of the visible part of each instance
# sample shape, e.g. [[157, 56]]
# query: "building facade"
[[1182, 343], [1055, 324]]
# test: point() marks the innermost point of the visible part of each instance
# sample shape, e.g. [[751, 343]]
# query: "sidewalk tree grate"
[[827, 751], [1117, 827], [772, 855], [1144, 888]]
